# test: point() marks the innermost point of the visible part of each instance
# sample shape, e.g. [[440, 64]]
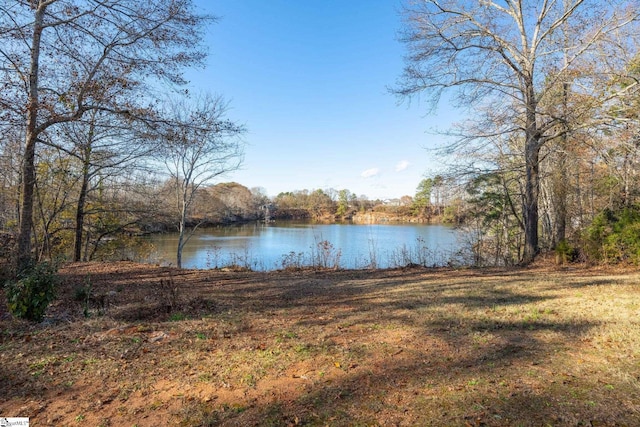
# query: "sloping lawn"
[[541, 346]]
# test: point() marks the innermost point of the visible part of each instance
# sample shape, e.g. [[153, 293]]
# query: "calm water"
[[277, 245]]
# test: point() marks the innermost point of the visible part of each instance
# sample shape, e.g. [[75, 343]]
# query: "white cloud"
[[402, 165], [370, 172]]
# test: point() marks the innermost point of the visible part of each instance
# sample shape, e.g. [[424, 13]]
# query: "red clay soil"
[[131, 344]]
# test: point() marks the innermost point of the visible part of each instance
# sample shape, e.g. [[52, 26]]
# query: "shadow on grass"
[[449, 348], [439, 388], [506, 382], [458, 384]]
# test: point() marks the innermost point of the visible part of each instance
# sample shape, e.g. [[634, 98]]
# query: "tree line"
[[548, 154], [99, 137], [93, 104], [87, 213]]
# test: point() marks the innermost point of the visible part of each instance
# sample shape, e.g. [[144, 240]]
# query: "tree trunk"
[[181, 243], [560, 203], [82, 199], [182, 227], [561, 182], [24, 256], [532, 179], [180, 246], [532, 189]]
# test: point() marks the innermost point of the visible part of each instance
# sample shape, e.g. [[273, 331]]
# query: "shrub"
[[614, 236], [292, 261], [29, 295], [565, 252], [325, 255]]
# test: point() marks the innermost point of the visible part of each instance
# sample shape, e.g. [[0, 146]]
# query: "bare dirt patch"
[[132, 344]]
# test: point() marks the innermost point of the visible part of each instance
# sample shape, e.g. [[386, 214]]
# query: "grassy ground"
[[541, 346]]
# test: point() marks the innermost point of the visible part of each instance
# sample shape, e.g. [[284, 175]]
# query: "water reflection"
[[271, 246]]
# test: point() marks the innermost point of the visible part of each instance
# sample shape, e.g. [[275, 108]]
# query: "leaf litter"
[[539, 346]]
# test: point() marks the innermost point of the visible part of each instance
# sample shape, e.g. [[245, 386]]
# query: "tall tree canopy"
[[62, 58], [505, 59]]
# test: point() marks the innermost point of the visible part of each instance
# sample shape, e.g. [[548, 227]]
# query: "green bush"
[[31, 293], [565, 252], [614, 236]]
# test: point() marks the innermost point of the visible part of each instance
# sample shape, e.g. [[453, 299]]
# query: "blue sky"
[[309, 79]]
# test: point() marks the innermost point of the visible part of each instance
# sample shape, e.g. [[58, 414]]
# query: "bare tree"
[[200, 145], [62, 58], [10, 148], [507, 57], [104, 145], [239, 202]]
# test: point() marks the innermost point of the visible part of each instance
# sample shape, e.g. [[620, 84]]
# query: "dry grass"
[[536, 347]]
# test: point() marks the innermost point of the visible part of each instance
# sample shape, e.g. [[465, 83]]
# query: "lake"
[[277, 245]]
